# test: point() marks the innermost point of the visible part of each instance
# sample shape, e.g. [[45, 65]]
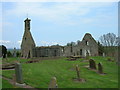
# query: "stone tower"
[[27, 41]]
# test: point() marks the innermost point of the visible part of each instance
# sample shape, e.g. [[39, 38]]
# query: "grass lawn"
[[13, 60], [6, 84], [39, 74]]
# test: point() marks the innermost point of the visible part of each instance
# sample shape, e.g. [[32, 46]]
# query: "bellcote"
[[27, 24]]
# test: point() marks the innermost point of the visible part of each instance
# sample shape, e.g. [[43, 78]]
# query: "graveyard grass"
[[39, 74], [6, 84]]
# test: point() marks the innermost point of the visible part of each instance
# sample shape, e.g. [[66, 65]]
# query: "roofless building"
[[29, 49]]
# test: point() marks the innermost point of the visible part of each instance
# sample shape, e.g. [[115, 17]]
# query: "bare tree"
[[109, 39], [109, 42], [118, 40]]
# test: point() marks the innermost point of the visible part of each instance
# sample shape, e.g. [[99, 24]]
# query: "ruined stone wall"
[[29, 50], [88, 44], [47, 51], [67, 51]]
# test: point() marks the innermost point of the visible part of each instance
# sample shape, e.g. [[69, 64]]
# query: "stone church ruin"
[[88, 45]]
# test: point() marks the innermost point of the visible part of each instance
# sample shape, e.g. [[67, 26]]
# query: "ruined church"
[[29, 49]]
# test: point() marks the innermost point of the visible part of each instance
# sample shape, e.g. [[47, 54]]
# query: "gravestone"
[[78, 70], [100, 68], [14, 53], [18, 73], [103, 54], [92, 64], [53, 83]]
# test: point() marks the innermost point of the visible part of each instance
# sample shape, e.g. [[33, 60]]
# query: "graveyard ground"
[[6, 84], [39, 74]]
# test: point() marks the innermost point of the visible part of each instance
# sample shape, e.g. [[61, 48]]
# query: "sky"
[[57, 22]]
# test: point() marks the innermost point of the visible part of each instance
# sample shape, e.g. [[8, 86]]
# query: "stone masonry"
[[29, 49], [27, 41]]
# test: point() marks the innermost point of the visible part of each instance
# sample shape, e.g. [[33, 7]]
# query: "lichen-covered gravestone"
[[92, 64], [78, 70], [100, 68], [18, 73], [53, 83]]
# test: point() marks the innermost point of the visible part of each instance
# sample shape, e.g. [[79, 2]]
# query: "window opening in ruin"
[[71, 49], [55, 53], [80, 51], [87, 43], [29, 54]]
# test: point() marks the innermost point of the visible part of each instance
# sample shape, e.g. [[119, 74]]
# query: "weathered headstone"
[[14, 53], [103, 54], [78, 72], [100, 68], [53, 83], [92, 64], [18, 73]]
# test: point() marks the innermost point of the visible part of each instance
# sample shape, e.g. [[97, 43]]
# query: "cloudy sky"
[[57, 22]]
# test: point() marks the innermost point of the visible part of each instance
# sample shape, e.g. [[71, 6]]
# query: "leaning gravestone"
[[18, 73], [53, 83], [100, 68], [78, 70], [92, 64]]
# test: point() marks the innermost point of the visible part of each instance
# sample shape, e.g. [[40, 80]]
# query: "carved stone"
[[100, 68], [92, 64], [53, 83], [18, 73], [78, 72]]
